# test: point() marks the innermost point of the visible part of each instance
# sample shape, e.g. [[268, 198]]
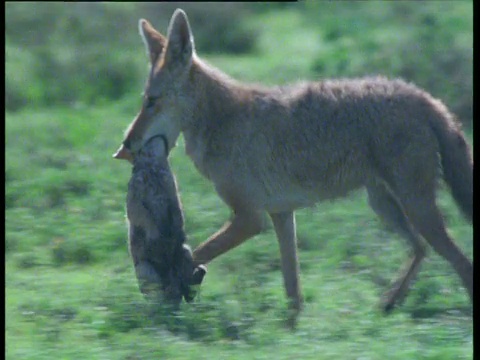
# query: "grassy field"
[[71, 292]]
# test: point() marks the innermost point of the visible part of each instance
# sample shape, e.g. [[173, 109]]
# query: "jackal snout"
[[123, 154]]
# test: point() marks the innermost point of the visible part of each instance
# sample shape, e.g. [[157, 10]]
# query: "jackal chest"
[[195, 149]]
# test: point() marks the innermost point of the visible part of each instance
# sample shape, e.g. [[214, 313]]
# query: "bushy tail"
[[456, 158]]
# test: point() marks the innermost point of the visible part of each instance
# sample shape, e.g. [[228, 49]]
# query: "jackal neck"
[[216, 93], [216, 104], [209, 73]]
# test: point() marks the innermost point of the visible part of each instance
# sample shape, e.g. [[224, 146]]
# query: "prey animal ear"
[[154, 41], [180, 38]]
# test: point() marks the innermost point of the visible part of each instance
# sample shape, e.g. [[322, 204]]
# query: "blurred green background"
[[88, 53], [74, 73]]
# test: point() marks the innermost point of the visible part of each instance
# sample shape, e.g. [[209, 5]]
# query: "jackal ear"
[[154, 41], [180, 38]]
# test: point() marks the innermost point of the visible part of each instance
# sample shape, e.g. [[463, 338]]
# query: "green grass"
[[71, 292]]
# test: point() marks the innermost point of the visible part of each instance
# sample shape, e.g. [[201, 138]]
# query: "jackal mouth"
[[128, 144], [162, 136], [125, 151]]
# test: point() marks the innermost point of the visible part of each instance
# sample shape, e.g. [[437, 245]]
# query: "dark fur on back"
[[163, 262]]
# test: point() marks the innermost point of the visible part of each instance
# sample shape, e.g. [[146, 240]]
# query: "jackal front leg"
[[242, 227], [284, 224]]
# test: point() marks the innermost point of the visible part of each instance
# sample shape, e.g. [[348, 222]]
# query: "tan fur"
[[278, 149]]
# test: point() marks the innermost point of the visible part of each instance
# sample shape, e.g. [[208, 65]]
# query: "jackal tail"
[[456, 160]]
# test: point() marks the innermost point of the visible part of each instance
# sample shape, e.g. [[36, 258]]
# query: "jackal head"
[[167, 85]]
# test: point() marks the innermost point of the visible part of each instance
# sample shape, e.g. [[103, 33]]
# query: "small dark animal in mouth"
[[157, 241]]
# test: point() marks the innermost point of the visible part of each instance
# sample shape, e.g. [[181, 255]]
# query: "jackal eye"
[[150, 102]]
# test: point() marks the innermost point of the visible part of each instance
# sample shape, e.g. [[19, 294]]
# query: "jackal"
[[163, 261], [282, 148]]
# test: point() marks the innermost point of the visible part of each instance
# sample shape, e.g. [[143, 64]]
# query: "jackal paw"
[[391, 299]]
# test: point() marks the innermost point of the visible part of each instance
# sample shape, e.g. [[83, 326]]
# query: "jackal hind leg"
[[284, 224], [387, 207], [424, 214]]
